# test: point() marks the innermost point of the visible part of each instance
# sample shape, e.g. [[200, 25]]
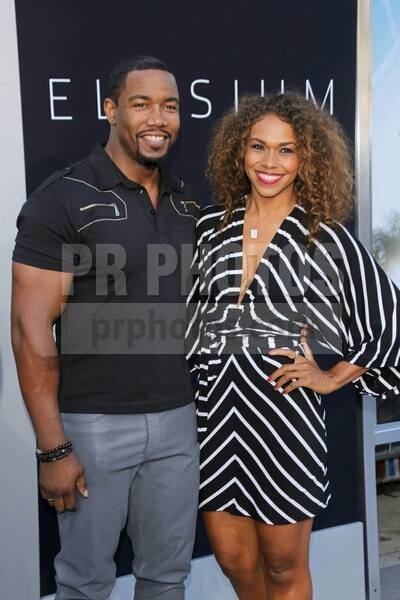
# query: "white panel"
[[337, 563], [19, 564], [337, 566]]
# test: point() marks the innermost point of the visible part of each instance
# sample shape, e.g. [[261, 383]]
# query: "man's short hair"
[[119, 73]]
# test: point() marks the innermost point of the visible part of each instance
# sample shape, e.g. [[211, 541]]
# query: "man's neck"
[[148, 177]]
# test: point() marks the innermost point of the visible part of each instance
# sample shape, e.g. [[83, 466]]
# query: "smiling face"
[[271, 159], [145, 121]]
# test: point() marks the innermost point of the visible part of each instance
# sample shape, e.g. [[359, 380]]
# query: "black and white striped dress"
[[263, 453]]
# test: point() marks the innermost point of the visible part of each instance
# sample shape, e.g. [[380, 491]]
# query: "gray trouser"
[[143, 470]]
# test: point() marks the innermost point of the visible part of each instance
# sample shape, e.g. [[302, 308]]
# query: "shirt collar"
[[108, 175]]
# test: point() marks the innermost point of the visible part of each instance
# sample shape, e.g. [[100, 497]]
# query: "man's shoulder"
[[53, 178], [56, 198], [59, 180], [185, 199]]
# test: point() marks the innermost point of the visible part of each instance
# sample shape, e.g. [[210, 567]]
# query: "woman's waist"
[[253, 339]]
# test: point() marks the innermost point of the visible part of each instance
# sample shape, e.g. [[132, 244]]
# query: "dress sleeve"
[[365, 310]]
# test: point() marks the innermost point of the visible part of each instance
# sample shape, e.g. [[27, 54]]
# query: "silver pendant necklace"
[[254, 234], [254, 231]]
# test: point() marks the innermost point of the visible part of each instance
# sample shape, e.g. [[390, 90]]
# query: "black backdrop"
[[228, 45]]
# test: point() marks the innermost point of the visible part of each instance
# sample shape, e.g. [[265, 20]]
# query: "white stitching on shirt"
[[102, 192], [184, 202]]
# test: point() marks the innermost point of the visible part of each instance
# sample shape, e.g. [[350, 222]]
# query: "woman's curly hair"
[[324, 184]]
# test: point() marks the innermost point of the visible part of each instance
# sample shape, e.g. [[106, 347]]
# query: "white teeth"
[[269, 178], [154, 138]]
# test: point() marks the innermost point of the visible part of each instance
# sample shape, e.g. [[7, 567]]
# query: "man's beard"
[[150, 163]]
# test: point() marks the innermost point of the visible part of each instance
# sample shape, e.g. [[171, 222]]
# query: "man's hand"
[[59, 481]]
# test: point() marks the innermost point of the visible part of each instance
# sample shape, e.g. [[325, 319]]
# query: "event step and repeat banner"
[[218, 52]]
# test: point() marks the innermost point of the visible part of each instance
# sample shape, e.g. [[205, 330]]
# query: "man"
[[115, 428]]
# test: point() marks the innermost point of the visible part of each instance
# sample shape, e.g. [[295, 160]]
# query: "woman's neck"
[[270, 208]]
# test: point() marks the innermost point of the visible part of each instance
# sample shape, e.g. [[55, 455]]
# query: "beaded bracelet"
[[53, 454]]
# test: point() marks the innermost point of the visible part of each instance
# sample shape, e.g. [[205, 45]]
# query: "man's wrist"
[[56, 453]]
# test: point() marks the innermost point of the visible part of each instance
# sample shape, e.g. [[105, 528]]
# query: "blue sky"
[[386, 24], [386, 118]]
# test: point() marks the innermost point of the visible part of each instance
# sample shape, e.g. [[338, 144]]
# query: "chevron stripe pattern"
[[264, 453]]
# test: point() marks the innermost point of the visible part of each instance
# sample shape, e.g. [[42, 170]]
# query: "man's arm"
[[37, 299]]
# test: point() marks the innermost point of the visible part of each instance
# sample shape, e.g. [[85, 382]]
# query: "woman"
[[273, 257]]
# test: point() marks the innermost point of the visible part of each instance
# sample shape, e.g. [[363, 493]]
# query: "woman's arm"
[[304, 372]]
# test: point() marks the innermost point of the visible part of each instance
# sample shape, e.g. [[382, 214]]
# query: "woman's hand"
[[303, 372]]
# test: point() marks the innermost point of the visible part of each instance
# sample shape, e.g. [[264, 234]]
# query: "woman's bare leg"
[[234, 541], [285, 550]]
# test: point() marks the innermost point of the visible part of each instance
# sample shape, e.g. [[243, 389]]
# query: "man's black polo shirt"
[[84, 219]]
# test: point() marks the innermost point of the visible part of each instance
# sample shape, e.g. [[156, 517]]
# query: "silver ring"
[[50, 500]]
